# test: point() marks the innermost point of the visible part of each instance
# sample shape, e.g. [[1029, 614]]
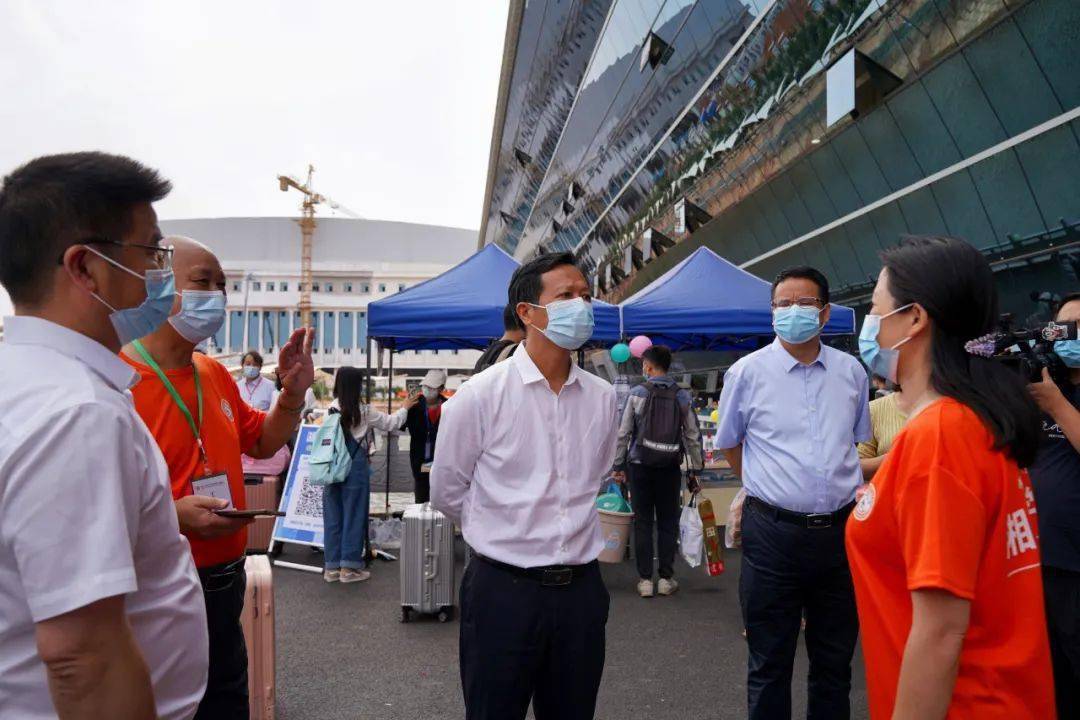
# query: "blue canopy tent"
[[707, 303], [461, 309]]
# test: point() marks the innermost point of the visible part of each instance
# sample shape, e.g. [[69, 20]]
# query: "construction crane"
[[307, 231]]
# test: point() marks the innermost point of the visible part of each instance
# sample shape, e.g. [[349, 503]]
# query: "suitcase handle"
[[434, 555]]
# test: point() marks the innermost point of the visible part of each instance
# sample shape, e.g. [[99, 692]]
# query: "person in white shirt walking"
[[257, 391], [523, 450], [101, 611]]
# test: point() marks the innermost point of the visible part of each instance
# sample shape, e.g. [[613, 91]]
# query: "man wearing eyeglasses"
[[790, 415], [101, 613]]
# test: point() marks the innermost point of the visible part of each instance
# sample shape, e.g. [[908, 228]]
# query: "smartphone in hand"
[[249, 513]]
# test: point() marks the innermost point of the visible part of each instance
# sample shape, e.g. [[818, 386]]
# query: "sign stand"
[[301, 503]]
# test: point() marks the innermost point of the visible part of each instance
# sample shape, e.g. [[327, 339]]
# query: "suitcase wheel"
[[446, 614], [406, 613]]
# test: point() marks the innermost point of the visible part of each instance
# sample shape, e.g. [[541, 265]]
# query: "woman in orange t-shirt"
[[943, 546]]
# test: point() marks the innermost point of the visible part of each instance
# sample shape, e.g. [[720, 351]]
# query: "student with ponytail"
[[944, 544]]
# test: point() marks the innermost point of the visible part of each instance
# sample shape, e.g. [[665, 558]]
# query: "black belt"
[[812, 521], [220, 577], [549, 576]]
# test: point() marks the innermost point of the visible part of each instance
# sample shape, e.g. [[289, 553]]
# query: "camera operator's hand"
[[1047, 394]]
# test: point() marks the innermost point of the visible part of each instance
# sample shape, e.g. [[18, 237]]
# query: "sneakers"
[[667, 587], [348, 575], [645, 588], [331, 575]]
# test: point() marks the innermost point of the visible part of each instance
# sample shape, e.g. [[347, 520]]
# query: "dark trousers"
[[654, 493], [227, 684], [521, 641], [1062, 591], [421, 481], [786, 570]]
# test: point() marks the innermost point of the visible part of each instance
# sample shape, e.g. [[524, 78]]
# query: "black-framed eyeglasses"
[[162, 255], [803, 302]]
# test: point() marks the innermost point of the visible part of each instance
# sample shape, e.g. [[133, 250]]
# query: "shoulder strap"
[[506, 352]]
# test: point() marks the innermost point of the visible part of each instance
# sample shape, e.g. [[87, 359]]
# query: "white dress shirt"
[[86, 513], [260, 394], [519, 467], [372, 420]]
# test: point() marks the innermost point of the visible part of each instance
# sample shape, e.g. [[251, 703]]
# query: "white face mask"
[[430, 394]]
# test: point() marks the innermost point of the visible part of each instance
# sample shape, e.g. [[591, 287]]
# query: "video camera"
[[1029, 350]]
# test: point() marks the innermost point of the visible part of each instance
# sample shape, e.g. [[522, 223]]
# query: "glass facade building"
[[613, 114]]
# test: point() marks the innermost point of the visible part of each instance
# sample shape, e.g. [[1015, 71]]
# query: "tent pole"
[[367, 376], [389, 436]]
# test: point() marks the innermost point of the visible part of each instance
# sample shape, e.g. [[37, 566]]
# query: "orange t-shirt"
[[947, 511], [229, 427]]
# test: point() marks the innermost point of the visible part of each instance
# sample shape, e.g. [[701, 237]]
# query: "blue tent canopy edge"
[[708, 303]]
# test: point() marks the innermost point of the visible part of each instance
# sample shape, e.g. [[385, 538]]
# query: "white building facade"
[[354, 263]]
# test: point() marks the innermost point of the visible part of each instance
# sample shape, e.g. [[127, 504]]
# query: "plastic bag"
[[733, 528], [691, 535], [386, 534], [613, 500]]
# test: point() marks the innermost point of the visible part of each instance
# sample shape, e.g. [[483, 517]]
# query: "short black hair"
[[659, 356], [1071, 297], [525, 284], [254, 355], [510, 319], [56, 201], [804, 272]]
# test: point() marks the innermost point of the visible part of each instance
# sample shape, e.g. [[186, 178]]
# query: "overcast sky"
[[392, 101]]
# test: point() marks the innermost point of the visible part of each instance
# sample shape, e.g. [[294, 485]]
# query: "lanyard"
[[250, 392], [195, 428]]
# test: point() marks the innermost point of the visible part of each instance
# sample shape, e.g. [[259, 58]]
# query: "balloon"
[[620, 353], [715, 416], [639, 345]]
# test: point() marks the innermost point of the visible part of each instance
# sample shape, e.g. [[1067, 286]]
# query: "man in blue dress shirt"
[[790, 415]]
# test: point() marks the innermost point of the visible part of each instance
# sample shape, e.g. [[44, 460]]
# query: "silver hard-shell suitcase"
[[427, 563]]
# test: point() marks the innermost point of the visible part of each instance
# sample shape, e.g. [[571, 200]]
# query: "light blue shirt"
[[798, 425]]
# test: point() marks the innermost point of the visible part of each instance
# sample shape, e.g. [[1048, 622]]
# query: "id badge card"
[[216, 486]]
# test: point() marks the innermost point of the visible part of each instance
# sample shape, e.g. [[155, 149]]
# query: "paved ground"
[[343, 653]]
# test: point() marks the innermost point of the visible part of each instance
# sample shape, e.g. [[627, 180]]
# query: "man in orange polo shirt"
[[193, 409]]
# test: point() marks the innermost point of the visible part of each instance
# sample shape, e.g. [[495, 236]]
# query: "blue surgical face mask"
[[202, 313], [797, 324], [1069, 352], [570, 322], [250, 372], [138, 322], [881, 361]]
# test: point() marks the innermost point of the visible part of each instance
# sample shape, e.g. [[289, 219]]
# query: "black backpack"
[[660, 440]]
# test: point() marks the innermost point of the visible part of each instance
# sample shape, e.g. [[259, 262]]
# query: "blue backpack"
[[330, 460]]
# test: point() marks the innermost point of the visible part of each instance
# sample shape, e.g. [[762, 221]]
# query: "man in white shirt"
[[101, 613], [257, 391], [523, 450]]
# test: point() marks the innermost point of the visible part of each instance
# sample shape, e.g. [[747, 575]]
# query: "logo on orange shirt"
[[866, 503], [1019, 532]]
